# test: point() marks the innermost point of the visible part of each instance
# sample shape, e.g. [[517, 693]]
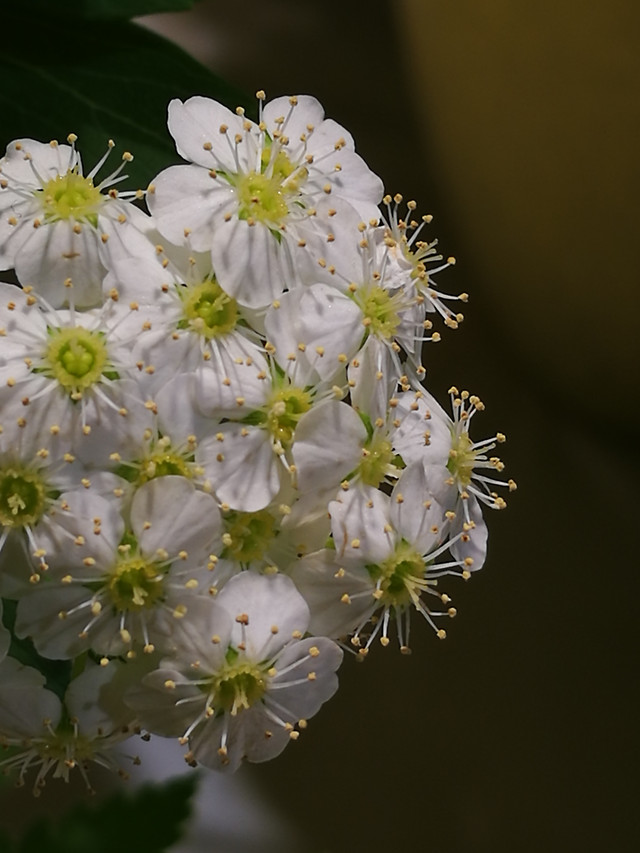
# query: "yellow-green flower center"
[[250, 534], [67, 747], [163, 463], [238, 686], [136, 584], [380, 309], [284, 409], [209, 311], [264, 196], [76, 358], [462, 458], [23, 496], [71, 196], [400, 576], [376, 461], [160, 460], [261, 198]]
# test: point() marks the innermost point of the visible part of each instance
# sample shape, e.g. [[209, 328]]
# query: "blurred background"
[[516, 125]]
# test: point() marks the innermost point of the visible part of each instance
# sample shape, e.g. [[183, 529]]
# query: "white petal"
[[242, 469], [59, 528], [356, 183], [169, 514], [24, 324], [157, 706], [45, 159], [55, 254], [303, 530], [317, 657], [186, 197], [248, 262], [178, 417], [192, 638], [475, 546], [232, 375], [360, 526], [197, 122], [307, 111], [414, 512], [441, 486], [260, 738], [328, 445], [94, 698], [53, 637], [274, 608], [375, 377], [325, 136], [250, 733], [15, 231], [424, 433], [139, 278], [24, 702], [126, 232], [340, 598], [323, 321], [111, 432]]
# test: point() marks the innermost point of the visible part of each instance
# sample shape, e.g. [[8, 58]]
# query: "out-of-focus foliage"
[[100, 79], [95, 10], [148, 821]]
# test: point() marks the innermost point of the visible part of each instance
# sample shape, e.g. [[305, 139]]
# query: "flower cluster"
[[219, 465]]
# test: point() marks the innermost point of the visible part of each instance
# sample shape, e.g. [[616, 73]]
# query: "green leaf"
[[108, 81], [147, 821], [94, 10]]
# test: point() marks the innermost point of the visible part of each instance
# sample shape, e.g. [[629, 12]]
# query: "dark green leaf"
[[147, 821], [112, 80], [101, 9]]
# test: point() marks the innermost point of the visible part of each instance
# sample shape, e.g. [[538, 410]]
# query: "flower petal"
[[274, 610], [168, 514], [242, 467]]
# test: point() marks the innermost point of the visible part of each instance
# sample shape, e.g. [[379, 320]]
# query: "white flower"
[[248, 460], [69, 374], [254, 190], [336, 442], [384, 560], [218, 462], [410, 260], [113, 589], [242, 677], [55, 224], [34, 482], [273, 538], [156, 455], [195, 324], [361, 262], [57, 737], [454, 463]]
